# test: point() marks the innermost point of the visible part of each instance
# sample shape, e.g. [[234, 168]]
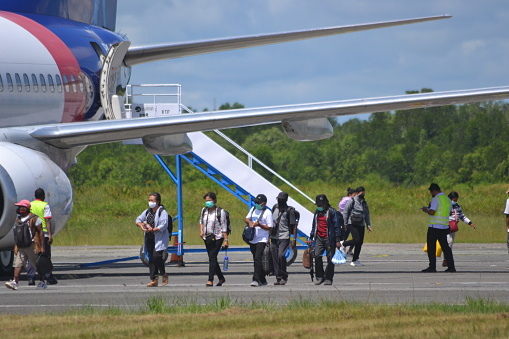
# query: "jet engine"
[[22, 171], [308, 130]]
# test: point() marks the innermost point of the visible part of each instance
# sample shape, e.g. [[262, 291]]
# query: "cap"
[[321, 199], [434, 187], [260, 198], [24, 203], [282, 195]]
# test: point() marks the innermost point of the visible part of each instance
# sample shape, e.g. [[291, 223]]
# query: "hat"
[[321, 199], [24, 203], [434, 187], [260, 198], [282, 195]]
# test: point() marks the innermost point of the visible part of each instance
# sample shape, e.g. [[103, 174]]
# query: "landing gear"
[[6, 261]]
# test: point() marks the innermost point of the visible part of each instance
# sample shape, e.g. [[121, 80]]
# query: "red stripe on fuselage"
[[74, 105]]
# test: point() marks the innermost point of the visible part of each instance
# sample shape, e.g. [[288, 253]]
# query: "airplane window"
[[66, 84], [43, 83], [1, 84], [18, 82], [59, 83], [9, 82], [73, 83], [34, 82], [27, 82], [51, 83]]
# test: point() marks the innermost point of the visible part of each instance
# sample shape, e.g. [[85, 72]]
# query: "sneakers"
[[153, 283], [356, 263], [283, 282], [12, 285], [277, 282], [255, 283], [263, 284], [42, 285], [31, 282], [429, 270], [450, 270], [328, 282], [165, 280], [52, 280], [319, 281]]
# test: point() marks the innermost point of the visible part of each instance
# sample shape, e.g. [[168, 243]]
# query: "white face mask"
[[152, 204]]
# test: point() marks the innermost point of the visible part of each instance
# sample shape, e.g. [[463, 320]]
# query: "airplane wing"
[[142, 54], [68, 135]]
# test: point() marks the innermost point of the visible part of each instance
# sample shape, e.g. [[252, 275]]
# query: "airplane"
[[63, 74]]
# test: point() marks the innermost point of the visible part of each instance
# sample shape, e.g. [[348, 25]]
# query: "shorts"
[[25, 254]]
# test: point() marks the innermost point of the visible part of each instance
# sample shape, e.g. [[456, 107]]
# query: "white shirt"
[[506, 212], [261, 235]]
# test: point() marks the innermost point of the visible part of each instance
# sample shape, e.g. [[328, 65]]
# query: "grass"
[[105, 215], [302, 318]]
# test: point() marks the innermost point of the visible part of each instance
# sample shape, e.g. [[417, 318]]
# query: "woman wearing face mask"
[[262, 221], [154, 222], [213, 231]]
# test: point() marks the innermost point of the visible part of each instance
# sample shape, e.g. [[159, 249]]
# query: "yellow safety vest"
[[442, 213], [37, 208]]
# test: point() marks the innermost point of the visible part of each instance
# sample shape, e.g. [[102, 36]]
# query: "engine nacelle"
[[308, 130], [168, 144], [22, 171]]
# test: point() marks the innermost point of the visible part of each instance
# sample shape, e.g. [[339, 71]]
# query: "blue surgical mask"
[[258, 206], [320, 209], [209, 204]]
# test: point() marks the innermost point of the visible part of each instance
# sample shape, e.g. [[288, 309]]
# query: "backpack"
[[288, 210], [170, 221], [22, 233], [218, 214]]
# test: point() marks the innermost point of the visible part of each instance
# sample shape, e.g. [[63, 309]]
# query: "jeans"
[[433, 235], [357, 240], [156, 262], [257, 251], [213, 250], [322, 245], [278, 248]]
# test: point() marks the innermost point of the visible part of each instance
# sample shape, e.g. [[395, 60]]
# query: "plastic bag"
[[338, 258]]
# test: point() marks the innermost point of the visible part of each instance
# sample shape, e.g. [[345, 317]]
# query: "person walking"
[[345, 231], [261, 219], [41, 208], [326, 232], [214, 233], [439, 211], [155, 222], [456, 215], [284, 225], [357, 217], [30, 250], [506, 212]]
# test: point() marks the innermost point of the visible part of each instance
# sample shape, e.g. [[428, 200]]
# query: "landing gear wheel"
[[145, 259], [291, 255], [6, 261]]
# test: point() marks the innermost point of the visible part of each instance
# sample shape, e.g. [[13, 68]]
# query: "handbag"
[[210, 238], [357, 219], [338, 258], [453, 224], [306, 258], [248, 234]]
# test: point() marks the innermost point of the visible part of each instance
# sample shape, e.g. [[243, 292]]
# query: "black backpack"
[[23, 236], [170, 220], [218, 214]]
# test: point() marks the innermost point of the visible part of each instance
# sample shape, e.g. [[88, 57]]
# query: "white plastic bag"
[[338, 258]]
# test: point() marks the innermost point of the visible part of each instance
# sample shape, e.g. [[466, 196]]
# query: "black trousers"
[[213, 250], [31, 270], [433, 235], [155, 262], [322, 245], [257, 252], [357, 240], [278, 248]]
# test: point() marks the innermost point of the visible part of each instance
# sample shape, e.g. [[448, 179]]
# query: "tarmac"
[[390, 275]]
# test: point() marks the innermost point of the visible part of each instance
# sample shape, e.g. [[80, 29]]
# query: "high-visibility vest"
[[37, 208], [443, 211]]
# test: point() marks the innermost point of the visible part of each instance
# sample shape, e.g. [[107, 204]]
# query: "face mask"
[[361, 196], [281, 202], [258, 206], [152, 204], [209, 204], [320, 209]]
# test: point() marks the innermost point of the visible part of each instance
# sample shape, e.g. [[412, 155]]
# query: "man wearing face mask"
[[356, 215], [326, 232], [261, 219], [23, 252], [155, 222], [284, 225]]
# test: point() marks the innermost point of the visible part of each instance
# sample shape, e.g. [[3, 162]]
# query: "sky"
[[470, 50]]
